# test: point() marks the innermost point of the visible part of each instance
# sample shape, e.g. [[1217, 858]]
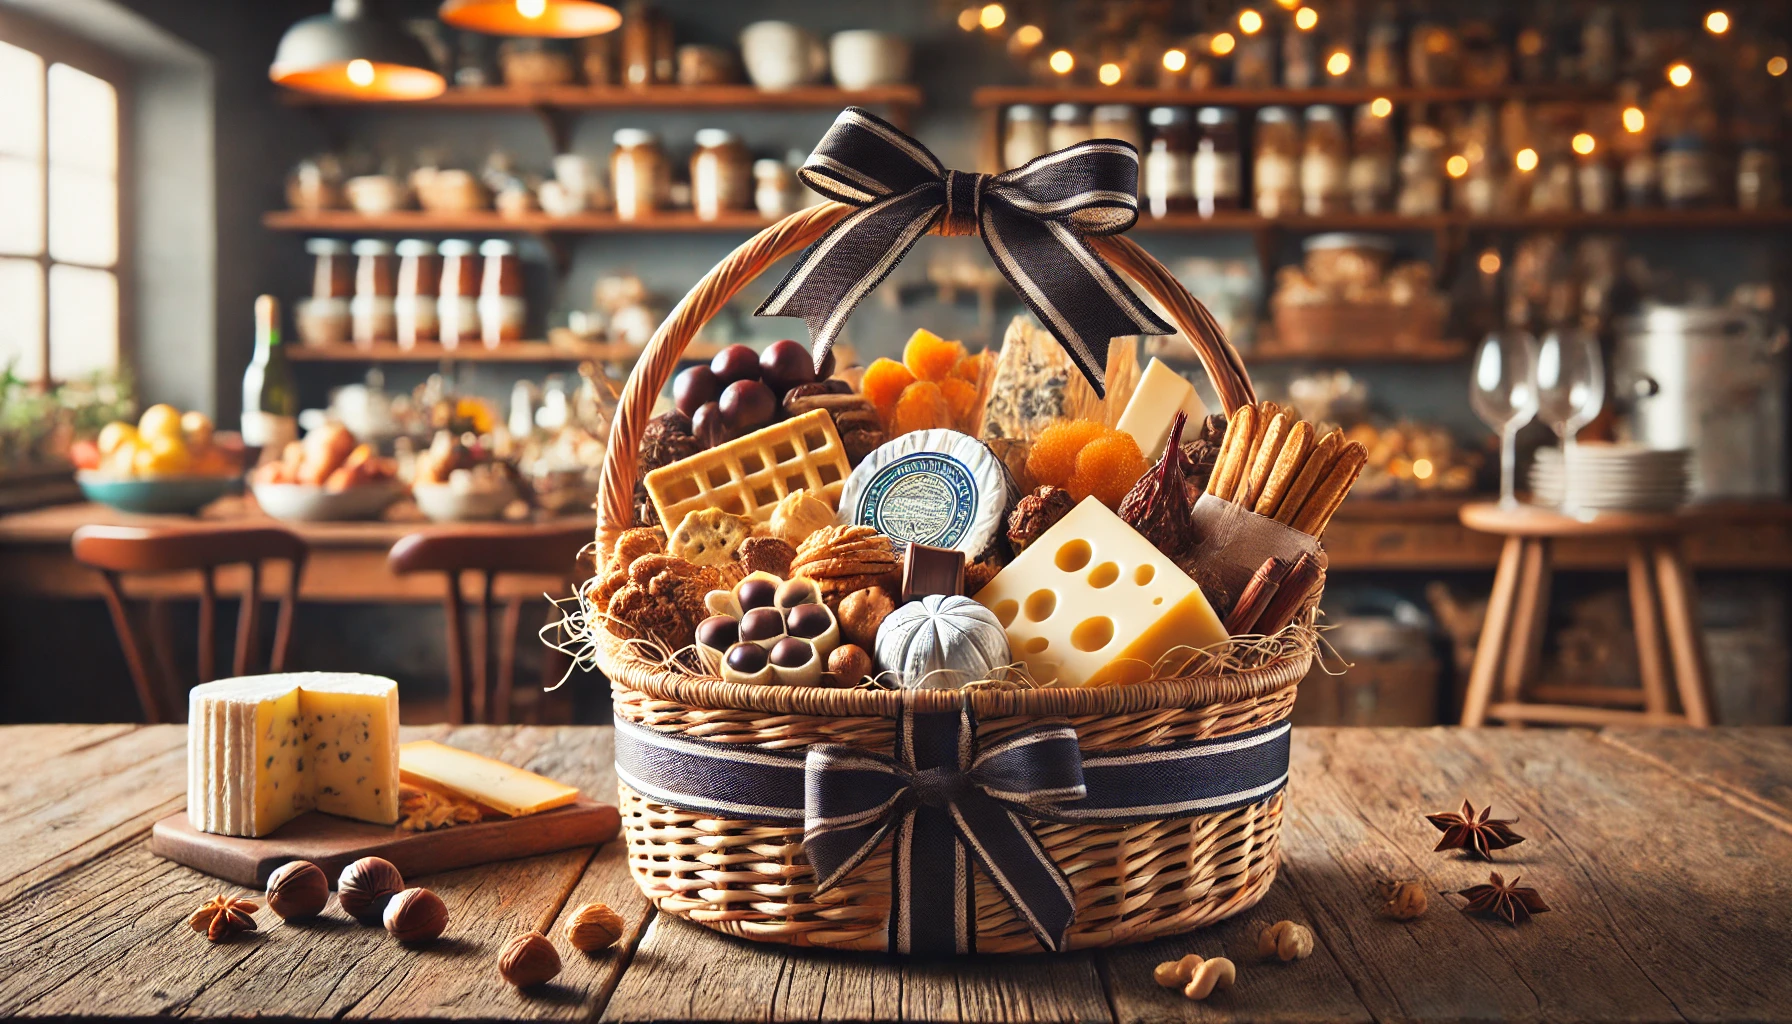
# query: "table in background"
[[1662, 854]]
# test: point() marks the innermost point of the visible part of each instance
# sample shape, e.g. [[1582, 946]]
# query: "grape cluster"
[[742, 390]]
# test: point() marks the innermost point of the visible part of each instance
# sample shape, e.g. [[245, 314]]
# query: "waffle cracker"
[[748, 475]]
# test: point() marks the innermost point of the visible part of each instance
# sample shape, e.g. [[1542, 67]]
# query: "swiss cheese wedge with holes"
[[747, 476], [1092, 603]]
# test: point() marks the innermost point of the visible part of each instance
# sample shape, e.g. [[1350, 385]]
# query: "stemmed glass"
[[1570, 393], [1503, 392]]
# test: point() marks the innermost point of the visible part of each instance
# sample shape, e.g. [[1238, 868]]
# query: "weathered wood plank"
[[1750, 768]]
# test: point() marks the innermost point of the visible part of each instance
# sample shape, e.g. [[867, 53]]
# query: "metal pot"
[[1712, 380]]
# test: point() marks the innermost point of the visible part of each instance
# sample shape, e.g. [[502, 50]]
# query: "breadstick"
[[1260, 427], [1251, 487], [1311, 472], [1287, 467], [1331, 491], [1228, 466]]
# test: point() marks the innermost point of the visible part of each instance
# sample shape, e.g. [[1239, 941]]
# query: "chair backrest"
[[115, 551], [489, 550]]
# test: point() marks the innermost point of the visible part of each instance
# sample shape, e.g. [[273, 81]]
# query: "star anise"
[[1510, 903], [1464, 831], [224, 916]]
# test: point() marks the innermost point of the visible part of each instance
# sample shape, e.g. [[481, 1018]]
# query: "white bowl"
[[304, 503], [443, 504]]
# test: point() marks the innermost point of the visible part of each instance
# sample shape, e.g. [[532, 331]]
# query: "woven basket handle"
[[615, 493]]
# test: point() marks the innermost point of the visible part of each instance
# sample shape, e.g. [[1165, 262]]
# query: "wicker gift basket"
[[721, 860]]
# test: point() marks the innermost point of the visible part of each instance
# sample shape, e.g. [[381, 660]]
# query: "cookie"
[[799, 514], [709, 536], [767, 554]]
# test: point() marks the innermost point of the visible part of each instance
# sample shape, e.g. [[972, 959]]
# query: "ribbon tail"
[[932, 912], [1020, 867], [1070, 289]]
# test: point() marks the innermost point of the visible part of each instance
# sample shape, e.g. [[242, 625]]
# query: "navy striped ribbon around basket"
[[946, 802]]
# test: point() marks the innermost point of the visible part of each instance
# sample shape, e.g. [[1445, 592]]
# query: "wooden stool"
[[1512, 634]]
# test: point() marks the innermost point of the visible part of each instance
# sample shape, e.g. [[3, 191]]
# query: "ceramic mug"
[[863, 58], [374, 194], [779, 55]]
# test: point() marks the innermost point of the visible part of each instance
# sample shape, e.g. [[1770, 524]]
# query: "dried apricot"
[[921, 407], [882, 383], [961, 397], [972, 368], [931, 358], [1054, 452], [1107, 467]]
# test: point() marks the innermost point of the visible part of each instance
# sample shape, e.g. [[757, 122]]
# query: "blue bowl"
[[173, 495]]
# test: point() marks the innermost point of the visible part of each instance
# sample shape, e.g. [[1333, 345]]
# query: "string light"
[[1249, 21], [1062, 62], [1381, 106], [1584, 144], [1489, 262], [967, 19], [1223, 44], [1422, 469], [1679, 74], [1717, 23], [1175, 60], [1776, 66], [1338, 64], [1029, 36], [992, 16], [1108, 74], [1456, 166], [1288, 5], [1633, 119], [360, 72], [531, 8], [1526, 160], [1305, 19]]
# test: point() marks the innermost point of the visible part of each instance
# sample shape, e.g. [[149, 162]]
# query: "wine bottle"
[[270, 399]]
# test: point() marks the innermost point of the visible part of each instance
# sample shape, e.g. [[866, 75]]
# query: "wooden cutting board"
[[333, 843]]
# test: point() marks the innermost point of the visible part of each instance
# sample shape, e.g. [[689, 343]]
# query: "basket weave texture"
[[751, 878]]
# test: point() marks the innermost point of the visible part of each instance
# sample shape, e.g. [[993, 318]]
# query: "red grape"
[[693, 387], [785, 364], [747, 405], [707, 426], [736, 362]]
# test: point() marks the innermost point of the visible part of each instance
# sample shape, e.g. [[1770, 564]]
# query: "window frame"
[[54, 46]]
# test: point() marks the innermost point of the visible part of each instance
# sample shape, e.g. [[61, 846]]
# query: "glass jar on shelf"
[[1434, 56], [376, 286], [1324, 163], [773, 183], [1684, 173], [1381, 56], [1218, 161], [1300, 60], [1421, 172], [502, 310], [1168, 176], [1254, 61], [1023, 135], [648, 50], [721, 174], [1116, 121], [419, 284], [1069, 126], [323, 319], [1370, 180], [1758, 177], [1595, 186], [1275, 164], [640, 181], [457, 304]]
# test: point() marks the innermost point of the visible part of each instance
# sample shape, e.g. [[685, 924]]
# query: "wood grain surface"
[[1662, 854]]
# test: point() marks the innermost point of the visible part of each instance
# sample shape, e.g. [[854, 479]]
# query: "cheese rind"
[[1092, 603], [504, 788], [1161, 393], [262, 750]]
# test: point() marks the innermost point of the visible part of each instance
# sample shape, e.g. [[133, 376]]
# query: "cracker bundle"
[[1271, 464]]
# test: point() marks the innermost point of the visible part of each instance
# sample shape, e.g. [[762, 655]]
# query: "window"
[[59, 216]]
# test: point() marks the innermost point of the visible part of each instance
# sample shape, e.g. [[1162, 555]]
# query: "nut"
[[223, 916], [592, 927], [1198, 978], [861, 612], [1405, 900], [365, 886], [848, 663], [1176, 973], [528, 959], [416, 915], [1286, 940], [298, 889]]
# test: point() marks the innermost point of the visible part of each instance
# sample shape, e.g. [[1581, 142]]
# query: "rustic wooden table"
[[1662, 853]]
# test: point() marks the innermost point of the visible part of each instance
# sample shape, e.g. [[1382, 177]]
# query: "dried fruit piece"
[[931, 357], [1107, 467], [921, 407], [1053, 457], [973, 368], [883, 383], [961, 398]]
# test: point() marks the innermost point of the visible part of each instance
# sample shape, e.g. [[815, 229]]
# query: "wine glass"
[[1503, 392], [1570, 392]]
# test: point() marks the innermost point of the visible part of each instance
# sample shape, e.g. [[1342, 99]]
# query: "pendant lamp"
[[348, 52], [556, 19]]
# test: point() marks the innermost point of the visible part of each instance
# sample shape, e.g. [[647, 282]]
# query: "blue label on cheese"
[[924, 498]]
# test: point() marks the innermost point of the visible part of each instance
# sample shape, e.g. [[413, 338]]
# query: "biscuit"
[[709, 536]]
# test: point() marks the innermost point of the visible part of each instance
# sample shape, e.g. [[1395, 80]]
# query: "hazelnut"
[[416, 915], [297, 890], [1405, 900], [528, 959], [848, 663], [365, 886], [592, 927], [861, 612], [1286, 940]]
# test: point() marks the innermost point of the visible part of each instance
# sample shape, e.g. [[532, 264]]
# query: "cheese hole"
[[1144, 574], [1092, 634], [1157, 600], [1104, 575], [1074, 555], [1041, 604], [1006, 611], [1037, 644]]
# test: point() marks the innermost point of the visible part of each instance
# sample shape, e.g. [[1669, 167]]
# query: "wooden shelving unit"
[[521, 352], [658, 97], [490, 222], [1229, 96], [1445, 350]]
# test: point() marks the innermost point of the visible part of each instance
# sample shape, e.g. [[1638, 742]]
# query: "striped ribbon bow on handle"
[[1031, 219]]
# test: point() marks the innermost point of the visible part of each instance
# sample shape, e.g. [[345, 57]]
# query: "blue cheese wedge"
[[935, 487]]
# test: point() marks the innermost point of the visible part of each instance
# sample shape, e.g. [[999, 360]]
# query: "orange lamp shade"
[[556, 19], [365, 79], [347, 52]]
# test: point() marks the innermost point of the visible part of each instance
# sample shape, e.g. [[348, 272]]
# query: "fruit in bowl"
[[462, 481], [168, 462], [327, 476]]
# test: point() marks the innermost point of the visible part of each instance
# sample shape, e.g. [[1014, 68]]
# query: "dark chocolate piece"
[[808, 620], [792, 653], [747, 658], [758, 593], [930, 570], [719, 632], [761, 624]]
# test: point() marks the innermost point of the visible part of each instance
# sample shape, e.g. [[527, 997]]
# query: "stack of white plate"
[[1613, 477]]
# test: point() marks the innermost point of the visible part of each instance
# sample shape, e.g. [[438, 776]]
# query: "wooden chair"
[[1661, 598], [490, 550], [117, 550]]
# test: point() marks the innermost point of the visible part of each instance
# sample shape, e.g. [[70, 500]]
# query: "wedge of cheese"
[[1091, 602], [1161, 393], [501, 787], [262, 750]]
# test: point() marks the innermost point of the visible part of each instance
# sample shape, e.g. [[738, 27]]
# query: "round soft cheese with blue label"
[[935, 487]]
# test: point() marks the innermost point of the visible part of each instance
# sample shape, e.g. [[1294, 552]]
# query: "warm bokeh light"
[[1489, 262], [1175, 60], [1633, 119], [1305, 19], [1422, 469], [1338, 64], [1223, 44], [1456, 166], [531, 8], [360, 72], [992, 16], [1029, 36], [1526, 160], [967, 19], [1584, 144], [1288, 5], [1108, 74], [1381, 106], [1717, 23], [1250, 22], [1776, 66], [1680, 74], [1062, 62]]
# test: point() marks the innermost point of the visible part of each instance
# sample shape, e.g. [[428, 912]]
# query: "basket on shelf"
[[722, 861]]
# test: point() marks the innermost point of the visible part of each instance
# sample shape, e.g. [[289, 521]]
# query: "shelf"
[[516, 352], [1002, 95], [662, 97], [1721, 219], [1442, 351], [493, 223]]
